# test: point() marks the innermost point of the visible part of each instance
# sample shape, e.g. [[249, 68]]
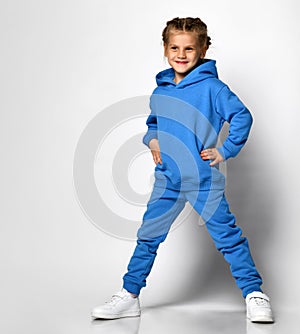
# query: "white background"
[[62, 62]]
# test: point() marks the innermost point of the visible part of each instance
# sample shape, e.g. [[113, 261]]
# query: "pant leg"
[[227, 236], [163, 208]]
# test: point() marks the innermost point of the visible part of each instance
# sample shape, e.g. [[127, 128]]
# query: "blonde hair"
[[188, 24]]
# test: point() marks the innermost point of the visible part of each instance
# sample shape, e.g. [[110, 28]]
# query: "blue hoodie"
[[186, 118]]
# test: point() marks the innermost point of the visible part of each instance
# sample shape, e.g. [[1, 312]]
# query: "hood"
[[204, 71]]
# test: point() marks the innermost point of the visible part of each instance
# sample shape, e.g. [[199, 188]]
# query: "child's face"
[[183, 52]]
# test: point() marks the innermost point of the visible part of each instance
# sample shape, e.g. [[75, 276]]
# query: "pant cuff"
[[132, 287], [250, 289]]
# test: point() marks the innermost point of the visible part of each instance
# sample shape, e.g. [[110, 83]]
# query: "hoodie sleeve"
[[232, 110], [152, 127]]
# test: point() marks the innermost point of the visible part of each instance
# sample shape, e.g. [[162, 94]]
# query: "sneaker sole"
[[116, 316], [261, 319]]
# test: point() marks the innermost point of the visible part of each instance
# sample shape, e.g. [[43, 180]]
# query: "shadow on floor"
[[189, 320]]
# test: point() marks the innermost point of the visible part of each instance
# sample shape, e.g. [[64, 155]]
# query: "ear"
[[203, 52], [165, 49]]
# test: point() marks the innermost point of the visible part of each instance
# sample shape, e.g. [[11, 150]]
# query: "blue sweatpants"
[[163, 208]]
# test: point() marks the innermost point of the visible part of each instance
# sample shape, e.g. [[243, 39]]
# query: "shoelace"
[[114, 299], [260, 301]]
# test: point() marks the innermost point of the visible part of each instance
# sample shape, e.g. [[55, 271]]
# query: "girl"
[[188, 109]]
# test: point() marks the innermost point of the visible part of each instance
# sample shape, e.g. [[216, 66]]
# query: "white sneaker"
[[122, 305], [258, 307]]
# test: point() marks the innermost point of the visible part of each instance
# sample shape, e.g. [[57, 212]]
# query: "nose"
[[181, 54]]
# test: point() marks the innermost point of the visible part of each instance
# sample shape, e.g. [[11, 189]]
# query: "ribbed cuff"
[[151, 134], [132, 287], [250, 289]]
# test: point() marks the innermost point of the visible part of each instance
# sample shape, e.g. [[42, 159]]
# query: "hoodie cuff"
[[224, 152], [151, 134]]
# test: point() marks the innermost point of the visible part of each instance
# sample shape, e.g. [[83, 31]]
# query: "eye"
[[189, 49], [173, 48]]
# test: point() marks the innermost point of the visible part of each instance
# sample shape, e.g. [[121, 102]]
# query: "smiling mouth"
[[181, 62]]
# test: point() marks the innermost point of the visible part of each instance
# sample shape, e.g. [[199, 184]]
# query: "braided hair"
[[188, 24]]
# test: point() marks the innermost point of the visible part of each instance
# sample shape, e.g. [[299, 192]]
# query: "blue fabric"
[[163, 208], [187, 118]]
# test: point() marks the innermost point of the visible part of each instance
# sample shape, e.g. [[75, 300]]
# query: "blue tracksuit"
[[186, 118]]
